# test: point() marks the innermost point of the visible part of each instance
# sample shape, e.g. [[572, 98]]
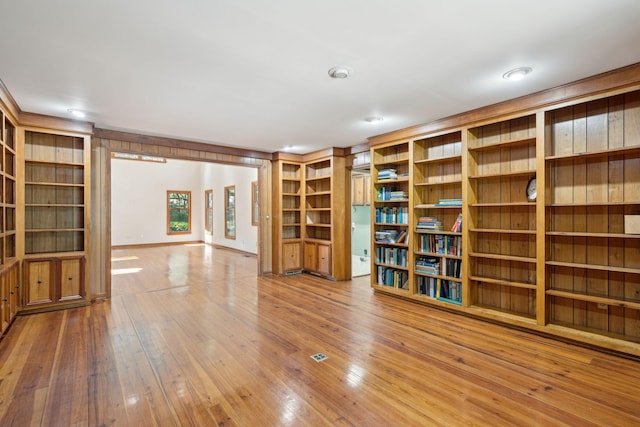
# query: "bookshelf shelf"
[[501, 282], [633, 149], [504, 174], [635, 305], [456, 158], [480, 145]]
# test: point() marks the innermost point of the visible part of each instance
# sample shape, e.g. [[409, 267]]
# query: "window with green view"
[[178, 212]]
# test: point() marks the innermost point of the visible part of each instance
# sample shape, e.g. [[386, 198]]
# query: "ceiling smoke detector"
[[339, 72]]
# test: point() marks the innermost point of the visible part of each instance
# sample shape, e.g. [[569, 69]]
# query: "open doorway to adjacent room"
[[360, 222]]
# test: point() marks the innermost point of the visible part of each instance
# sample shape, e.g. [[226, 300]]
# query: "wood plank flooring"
[[192, 337]]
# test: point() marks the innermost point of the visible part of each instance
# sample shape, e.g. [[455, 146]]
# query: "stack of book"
[[387, 174], [449, 202], [428, 286], [428, 223], [428, 265], [398, 195]]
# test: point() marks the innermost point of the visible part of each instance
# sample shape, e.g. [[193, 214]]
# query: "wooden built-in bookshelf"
[[56, 219], [592, 161], [560, 261], [9, 264], [287, 248], [310, 227], [391, 218], [437, 188], [502, 160]]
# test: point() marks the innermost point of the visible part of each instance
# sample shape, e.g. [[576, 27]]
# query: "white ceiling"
[[253, 73]]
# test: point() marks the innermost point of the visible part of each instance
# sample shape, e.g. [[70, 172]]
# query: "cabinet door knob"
[[39, 281], [70, 278], [4, 300], [11, 292]]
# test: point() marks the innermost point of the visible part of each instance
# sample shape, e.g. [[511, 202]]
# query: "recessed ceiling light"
[[373, 119], [340, 72], [517, 73], [77, 113]]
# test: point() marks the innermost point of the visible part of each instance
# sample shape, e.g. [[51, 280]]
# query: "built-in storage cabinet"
[[9, 293], [311, 232], [288, 224], [317, 257], [391, 218], [437, 217], [54, 280], [56, 217], [9, 265], [592, 161], [502, 220]]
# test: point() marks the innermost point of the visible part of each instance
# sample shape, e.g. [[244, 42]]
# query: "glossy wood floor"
[[192, 337]]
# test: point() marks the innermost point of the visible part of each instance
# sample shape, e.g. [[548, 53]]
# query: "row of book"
[[388, 255], [395, 215], [391, 193], [437, 266], [439, 288], [440, 244], [391, 277], [391, 236]]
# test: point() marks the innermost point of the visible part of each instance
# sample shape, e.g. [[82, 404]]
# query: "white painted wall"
[[138, 201]]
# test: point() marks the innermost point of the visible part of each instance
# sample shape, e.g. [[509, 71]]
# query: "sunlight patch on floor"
[[118, 271], [124, 258]]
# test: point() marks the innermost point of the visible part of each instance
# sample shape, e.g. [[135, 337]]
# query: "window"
[[255, 208], [208, 211], [230, 212], [178, 212]]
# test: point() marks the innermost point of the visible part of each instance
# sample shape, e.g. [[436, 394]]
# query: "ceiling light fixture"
[[340, 72], [77, 113], [373, 119], [517, 73]]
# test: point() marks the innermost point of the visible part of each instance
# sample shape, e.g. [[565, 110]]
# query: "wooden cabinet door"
[[324, 258], [291, 256], [5, 313], [357, 190], [71, 279], [310, 257], [14, 290], [39, 279], [367, 190]]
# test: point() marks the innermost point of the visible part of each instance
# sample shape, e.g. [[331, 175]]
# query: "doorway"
[[360, 223]]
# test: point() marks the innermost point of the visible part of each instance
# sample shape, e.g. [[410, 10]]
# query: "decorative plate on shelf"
[[531, 190]]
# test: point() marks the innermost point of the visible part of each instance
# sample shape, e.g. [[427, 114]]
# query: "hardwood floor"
[[192, 337]]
